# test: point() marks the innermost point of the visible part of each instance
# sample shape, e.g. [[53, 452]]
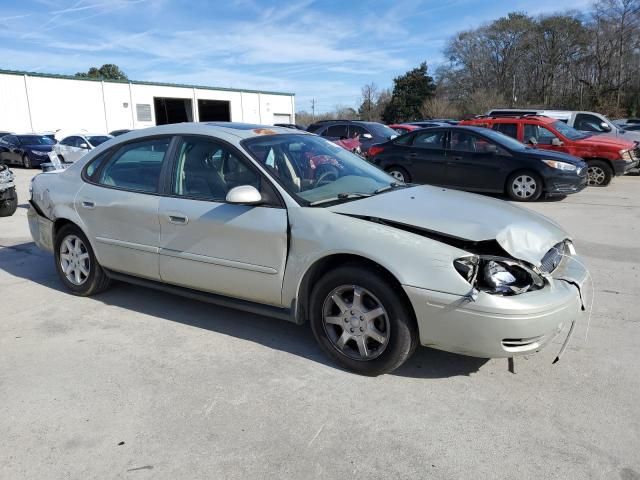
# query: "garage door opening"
[[172, 110], [214, 111]]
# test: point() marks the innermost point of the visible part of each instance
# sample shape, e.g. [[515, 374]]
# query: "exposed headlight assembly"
[[498, 275], [6, 176], [567, 167]]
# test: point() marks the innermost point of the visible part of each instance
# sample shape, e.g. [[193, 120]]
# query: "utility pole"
[[313, 109]]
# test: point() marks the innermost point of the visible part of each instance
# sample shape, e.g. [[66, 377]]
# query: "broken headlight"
[[498, 275]]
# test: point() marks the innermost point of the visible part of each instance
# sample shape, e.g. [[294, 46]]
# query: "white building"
[[35, 102]]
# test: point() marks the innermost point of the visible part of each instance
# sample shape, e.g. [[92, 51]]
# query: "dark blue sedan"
[[27, 150]]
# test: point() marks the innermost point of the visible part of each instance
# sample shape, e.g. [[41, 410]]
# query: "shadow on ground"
[[27, 261]]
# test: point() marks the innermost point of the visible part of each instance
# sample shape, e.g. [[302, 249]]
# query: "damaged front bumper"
[[502, 326]]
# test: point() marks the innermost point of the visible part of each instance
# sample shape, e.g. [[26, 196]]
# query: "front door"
[[541, 137], [119, 208], [474, 162], [210, 245]]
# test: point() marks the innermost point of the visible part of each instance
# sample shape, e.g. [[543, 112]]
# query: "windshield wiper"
[[341, 196], [391, 186]]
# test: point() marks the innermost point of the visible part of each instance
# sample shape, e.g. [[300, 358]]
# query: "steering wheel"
[[330, 174]]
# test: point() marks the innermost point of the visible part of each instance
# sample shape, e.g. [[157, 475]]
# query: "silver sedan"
[[287, 224]]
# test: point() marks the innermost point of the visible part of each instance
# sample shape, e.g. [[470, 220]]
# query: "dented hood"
[[522, 233]]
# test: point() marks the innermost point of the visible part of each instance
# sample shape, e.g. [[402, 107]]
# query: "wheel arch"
[[325, 264], [524, 170]]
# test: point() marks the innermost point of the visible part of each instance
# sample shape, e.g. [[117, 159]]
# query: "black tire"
[[399, 173], [26, 162], [9, 207], [524, 186], [399, 323], [97, 281], [599, 173]]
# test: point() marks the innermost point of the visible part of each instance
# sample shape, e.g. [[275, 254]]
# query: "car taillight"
[[375, 150]]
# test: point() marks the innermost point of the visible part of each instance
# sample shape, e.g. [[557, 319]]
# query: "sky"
[[322, 50]]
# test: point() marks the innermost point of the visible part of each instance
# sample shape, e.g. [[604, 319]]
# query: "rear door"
[[214, 246], [119, 206], [427, 158], [475, 163]]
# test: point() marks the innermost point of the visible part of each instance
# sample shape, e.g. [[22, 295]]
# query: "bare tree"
[[438, 107]]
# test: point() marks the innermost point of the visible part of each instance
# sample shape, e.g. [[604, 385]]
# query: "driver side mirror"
[[244, 195], [368, 136], [532, 141], [84, 145], [605, 126], [556, 142]]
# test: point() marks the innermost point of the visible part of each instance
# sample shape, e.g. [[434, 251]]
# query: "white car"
[[74, 147], [282, 222]]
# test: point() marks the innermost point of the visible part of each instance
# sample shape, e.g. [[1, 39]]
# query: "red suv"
[[606, 155]]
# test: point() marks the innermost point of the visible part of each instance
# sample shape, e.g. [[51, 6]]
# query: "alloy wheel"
[[595, 176], [356, 322], [397, 175], [524, 186], [74, 260]]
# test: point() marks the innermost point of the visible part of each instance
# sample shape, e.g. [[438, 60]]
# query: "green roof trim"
[[138, 82]]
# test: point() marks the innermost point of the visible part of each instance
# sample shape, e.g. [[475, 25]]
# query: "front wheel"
[[524, 186], [26, 161], [76, 263], [599, 173], [361, 322]]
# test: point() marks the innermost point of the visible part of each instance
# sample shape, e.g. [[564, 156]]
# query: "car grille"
[[553, 257]]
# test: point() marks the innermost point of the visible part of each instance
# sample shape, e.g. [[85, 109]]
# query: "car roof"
[[511, 119], [229, 130]]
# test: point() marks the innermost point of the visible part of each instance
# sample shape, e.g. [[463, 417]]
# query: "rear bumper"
[[41, 229], [497, 326]]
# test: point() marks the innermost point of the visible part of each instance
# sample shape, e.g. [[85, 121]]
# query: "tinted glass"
[[541, 135], [339, 131], [382, 130], [509, 129], [95, 163], [34, 140], [430, 139], [98, 140], [355, 130], [136, 166], [207, 171], [589, 123], [313, 169], [503, 140], [462, 141]]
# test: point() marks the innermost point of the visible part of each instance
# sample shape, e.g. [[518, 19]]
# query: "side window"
[[404, 140], [136, 166], [207, 170], [429, 139], [589, 123], [338, 131], [468, 142], [94, 165], [69, 141], [541, 135], [355, 130], [510, 129]]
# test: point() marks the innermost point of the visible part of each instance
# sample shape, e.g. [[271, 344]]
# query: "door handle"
[[178, 219], [88, 204]]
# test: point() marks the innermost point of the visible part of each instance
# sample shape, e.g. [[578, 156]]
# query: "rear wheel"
[[599, 173], [76, 263], [26, 161], [361, 322], [524, 186], [399, 173]]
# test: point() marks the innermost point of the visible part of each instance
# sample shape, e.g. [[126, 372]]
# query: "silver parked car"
[[288, 224]]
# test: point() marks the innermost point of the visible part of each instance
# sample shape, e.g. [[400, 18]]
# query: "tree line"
[[574, 60]]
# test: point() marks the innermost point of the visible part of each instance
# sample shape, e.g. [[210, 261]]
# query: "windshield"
[[313, 169], [569, 132], [98, 139], [504, 140], [382, 130], [35, 140]]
